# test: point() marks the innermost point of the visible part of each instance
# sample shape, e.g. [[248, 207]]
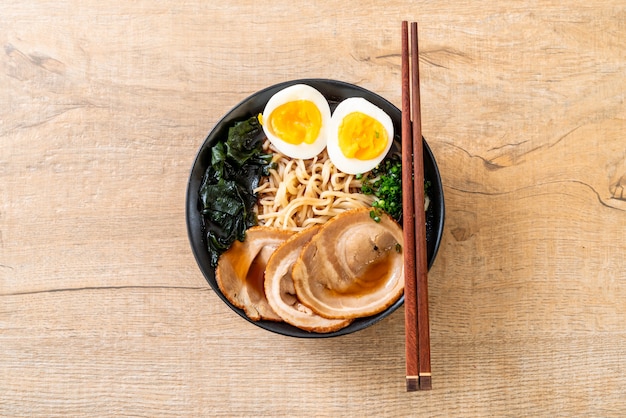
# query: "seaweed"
[[226, 196]]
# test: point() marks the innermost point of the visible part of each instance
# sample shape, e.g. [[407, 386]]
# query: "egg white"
[[336, 155], [293, 93]]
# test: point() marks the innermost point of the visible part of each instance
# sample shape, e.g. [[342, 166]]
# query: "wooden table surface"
[[104, 312]]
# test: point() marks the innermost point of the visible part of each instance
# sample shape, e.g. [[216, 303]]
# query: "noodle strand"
[[300, 193]]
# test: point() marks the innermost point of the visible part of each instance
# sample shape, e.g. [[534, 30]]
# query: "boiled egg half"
[[360, 136], [296, 121]]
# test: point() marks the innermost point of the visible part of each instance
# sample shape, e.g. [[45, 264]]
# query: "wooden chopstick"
[[408, 225], [417, 328], [423, 326]]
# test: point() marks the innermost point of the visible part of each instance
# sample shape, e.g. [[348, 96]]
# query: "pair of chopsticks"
[[417, 333]]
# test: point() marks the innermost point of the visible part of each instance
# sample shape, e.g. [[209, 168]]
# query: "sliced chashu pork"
[[352, 267], [240, 271], [281, 293]]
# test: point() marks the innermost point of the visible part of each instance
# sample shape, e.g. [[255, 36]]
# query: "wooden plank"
[[103, 310]]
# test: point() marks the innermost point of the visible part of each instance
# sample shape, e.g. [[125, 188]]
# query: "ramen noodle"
[[301, 193]]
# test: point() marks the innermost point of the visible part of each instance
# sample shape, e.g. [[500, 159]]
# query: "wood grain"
[[103, 311]]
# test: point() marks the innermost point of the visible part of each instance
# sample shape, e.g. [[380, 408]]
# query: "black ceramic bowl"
[[335, 92]]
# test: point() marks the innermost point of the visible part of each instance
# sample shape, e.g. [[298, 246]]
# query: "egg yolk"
[[296, 122], [361, 136]]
